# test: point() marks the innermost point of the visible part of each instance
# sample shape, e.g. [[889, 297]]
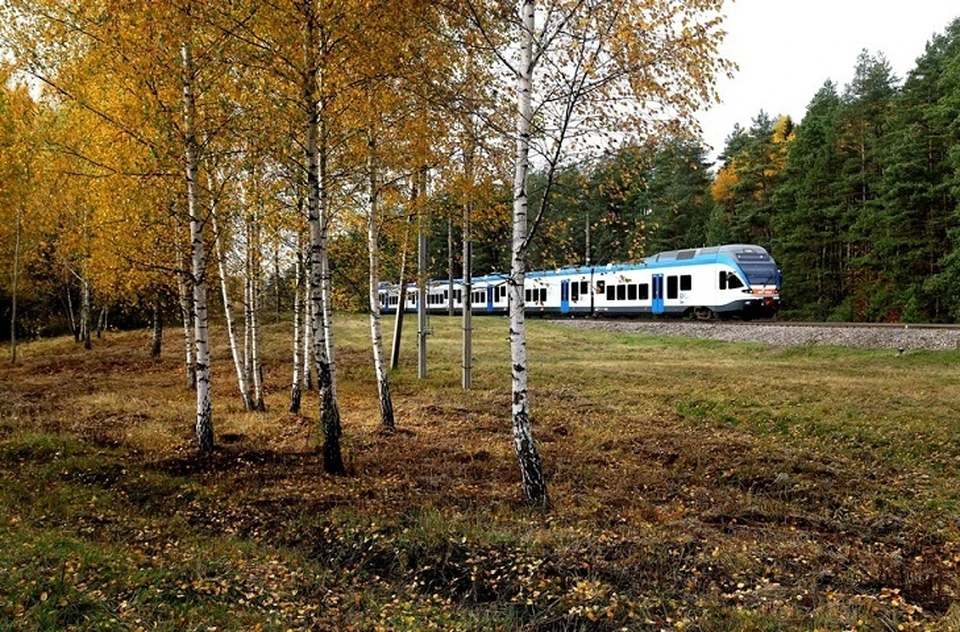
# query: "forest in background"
[[857, 202]]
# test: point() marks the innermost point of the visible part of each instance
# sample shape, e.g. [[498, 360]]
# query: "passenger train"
[[730, 281]]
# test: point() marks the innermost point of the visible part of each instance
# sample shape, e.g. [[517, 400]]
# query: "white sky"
[[786, 49]]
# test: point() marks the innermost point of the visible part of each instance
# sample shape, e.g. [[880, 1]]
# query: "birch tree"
[[591, 73]]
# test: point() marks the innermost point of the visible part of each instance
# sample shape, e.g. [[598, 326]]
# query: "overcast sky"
[[786, 49]]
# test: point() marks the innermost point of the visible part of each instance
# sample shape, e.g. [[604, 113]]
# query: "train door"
[[657, 291], [490, 290], [565, 296]]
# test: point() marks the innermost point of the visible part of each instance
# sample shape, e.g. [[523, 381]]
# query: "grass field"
[[695, 485]]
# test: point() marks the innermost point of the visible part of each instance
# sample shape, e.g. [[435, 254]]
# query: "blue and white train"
[[731, 281]]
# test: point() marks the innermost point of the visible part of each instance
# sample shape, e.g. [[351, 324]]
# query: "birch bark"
[[324, 213], [329, 411], [295, 384], [402, 299], [204, 426], [307, 308], [228, 311], [254, 273], [376, 333], [531, 471], [85, 308], [186, 313]]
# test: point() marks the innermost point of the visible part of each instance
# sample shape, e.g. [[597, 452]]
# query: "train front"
[[763, 279]]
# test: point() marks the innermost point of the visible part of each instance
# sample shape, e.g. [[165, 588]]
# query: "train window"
[[526, 296], [686, 283], [458, 295], [543, 295], [672, 287], [446, 294], [600, 286], [632, 292], [575, 292], [733, 282], [584, 287], [611, 292], [723, 279], [621, 292], [644, 291]]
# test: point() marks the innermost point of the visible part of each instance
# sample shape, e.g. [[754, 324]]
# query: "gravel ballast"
[[904, 337]]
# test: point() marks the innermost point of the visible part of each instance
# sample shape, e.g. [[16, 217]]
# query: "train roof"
[[733, 253]]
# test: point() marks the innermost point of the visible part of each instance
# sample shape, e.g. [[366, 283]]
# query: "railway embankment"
[[895, 337]]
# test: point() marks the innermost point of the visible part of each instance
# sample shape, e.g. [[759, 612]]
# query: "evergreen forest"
[[857, 202]]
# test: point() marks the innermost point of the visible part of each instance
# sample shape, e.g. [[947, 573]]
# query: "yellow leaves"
[[721, 190]]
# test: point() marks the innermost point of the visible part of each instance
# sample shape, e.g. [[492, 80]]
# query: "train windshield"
[[759, 268]]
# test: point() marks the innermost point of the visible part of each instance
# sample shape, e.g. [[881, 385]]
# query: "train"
[[738, 281]]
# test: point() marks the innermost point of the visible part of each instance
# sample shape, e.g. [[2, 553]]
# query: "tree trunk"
[[467, 301], [450, 311], [228, 311], [85, 324], [421, 286], [186, 314], [327, 287], [101, 322], [185, 295], [402, 282], [276, 279], [376, 334], [254, 274], [307, 307], [16, 280], [74, 328], [204, 426], [295, 384], [329, 412], [531, 472], [157, 342]]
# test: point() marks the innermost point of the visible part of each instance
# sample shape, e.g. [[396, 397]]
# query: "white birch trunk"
[[228, 311], [531, 472], [255, 289], [204, 426], [327, 286], [73, 322], [247, 319], [467, 302], [85, 308], [186, 314], [295, 384], [422, 285], [402, 282], [376, 333], [307, 308], [329, 411]]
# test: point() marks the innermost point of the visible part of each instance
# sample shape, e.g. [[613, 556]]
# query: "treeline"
[[858, 202]]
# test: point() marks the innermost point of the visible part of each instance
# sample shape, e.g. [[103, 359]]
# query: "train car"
[[730, 281]]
